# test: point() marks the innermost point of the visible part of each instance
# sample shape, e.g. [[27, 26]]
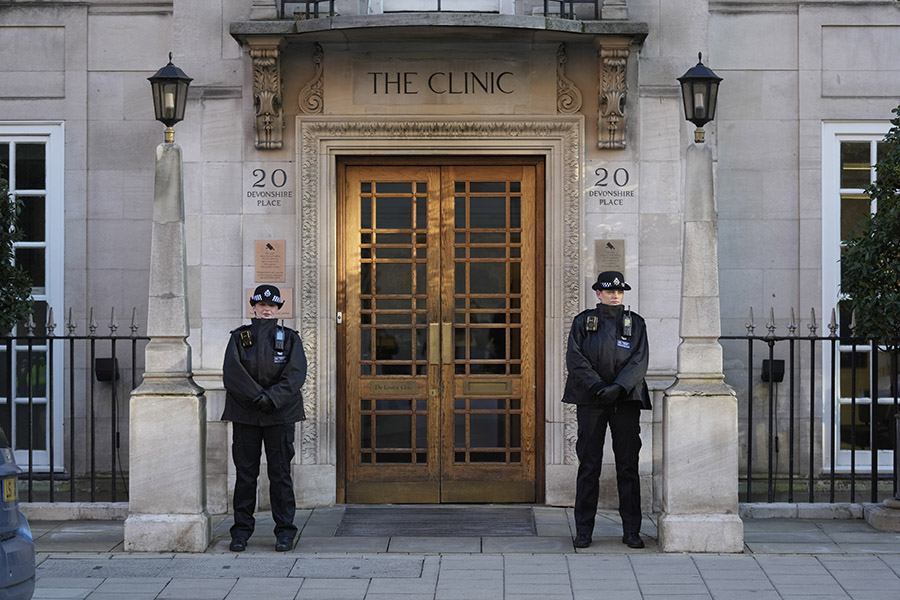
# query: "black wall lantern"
[[170, 87], [699, 91]]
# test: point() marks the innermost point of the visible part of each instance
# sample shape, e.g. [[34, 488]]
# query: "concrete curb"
[[74, 511]]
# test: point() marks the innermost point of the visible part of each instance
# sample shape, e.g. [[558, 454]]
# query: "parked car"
[[16, 541]]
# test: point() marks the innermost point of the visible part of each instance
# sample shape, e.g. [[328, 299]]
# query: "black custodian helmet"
[[611, 280], [267, 293]]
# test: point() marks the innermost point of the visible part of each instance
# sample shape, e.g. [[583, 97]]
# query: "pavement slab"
[[784, 559]]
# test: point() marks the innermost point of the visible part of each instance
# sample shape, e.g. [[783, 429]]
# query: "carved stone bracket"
[[613, 87], [267, 95], [312, 100], [568, 96]]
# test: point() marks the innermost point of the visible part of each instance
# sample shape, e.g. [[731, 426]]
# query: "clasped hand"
[[610, 393], [264, 403]]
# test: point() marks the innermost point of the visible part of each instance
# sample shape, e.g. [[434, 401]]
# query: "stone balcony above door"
[[570, 9]]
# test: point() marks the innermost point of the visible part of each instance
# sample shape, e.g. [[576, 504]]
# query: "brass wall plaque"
[[609, 256], [501, 387], [393, 388], [269, 261]]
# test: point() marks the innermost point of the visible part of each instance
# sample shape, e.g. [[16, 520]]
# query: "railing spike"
[[792, 326], [92, 324], [750, 324], [771, 324], [853, 323], [29, 325], [113, 325], [51, 325], [833, 326], [134, 325], [70, 325], [812, 322]]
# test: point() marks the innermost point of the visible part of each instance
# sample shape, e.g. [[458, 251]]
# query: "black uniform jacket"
[[252, 369], [600, 354]]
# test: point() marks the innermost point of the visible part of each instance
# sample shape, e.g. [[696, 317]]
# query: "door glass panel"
[[393, 238], [478, 252], [487, 238], [393, 278], [487, 278], [488, 213], [487, 431], [393, 213], [393, 431], [487, 187], [397, 253], [515, 430], [393, 187]]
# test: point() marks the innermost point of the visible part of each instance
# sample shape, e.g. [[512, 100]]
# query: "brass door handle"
[[447, 343], [434, 351]]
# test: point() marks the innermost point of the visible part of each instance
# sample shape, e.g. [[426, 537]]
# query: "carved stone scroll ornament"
[[312, 100], [611, 126], [267, 97], [568, 96]]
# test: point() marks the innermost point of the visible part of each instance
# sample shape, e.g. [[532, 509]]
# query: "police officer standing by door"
[[264, 369], [607, 359]]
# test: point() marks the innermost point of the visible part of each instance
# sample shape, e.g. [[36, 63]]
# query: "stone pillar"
[[700, 435], [167, 450]]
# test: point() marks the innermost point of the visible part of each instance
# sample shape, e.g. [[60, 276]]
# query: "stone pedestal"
[[167, 448], [700, 432], [700, 469], [885, 516]]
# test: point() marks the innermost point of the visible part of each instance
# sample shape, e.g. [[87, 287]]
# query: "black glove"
[[610, 394], [264, 404]]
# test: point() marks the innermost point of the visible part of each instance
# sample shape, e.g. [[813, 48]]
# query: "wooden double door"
[[441, 302]]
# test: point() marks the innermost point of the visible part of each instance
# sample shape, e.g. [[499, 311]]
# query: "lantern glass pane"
[[687, 99], [713, 97]]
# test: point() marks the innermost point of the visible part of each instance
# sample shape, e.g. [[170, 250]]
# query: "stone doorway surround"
[[560, 140]]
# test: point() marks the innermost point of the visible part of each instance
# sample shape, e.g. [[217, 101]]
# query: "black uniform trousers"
[[624, 423], [246, 447]]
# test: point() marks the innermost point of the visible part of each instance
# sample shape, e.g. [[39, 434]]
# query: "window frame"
[[52, 135], [833, 134]]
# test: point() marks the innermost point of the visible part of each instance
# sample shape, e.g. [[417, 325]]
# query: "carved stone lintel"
[[568, 96], [267, 96], [613, 87], [312, 99]]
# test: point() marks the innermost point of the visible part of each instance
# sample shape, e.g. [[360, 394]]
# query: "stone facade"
[[599, 101]]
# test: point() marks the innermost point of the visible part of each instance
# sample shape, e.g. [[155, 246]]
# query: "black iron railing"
[[812, 367], [84, 380]]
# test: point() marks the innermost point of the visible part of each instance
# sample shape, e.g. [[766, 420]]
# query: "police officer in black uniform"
[[607, 360], [264, 369]]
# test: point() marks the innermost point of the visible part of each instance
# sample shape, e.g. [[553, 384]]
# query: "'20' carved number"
[[278, 178], [620, 177]]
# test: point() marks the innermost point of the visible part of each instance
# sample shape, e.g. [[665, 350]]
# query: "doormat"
[[439, 521]]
